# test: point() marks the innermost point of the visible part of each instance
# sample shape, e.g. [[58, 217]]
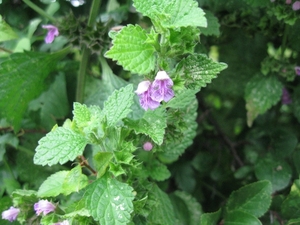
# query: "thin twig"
[[84, 163]]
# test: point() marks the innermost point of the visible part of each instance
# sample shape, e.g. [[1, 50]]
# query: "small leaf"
[[59, 146], [211, 218], [131, 50], [63, 182], [261, 93], [6, 33], [172, 13], [199, 70], [101, 161], [158, 171], [118, 105], [109, 201], [290, 207], [283, 143], [182, 99], [254, 198], [277, 171], [240, 218]]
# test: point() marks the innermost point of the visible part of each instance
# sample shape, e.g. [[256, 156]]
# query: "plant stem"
[[284, 40], [5, 50], [86, 54], [39, 10]]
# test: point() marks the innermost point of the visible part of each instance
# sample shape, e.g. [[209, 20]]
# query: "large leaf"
[[63, 182], [254, 199], [59, 146], [6, 33], [198, 70], [172, 13], [21, 81], [109, 201], [261, 93], [131, 50]]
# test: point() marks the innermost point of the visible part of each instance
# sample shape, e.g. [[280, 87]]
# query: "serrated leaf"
[[182, 99], [63, 182], [172, 13], [131, 50], [118, 105], [240, 218], [81, 114], [21, 81], [261, 93], [254, 198], [186, 207], [199, 70], [6, 33], [290, 207], [53, 103], [277, 171], [109, 201], [210, 218], [213, 26], [59, 146], [158, 171], [101, 161], [152, 124]]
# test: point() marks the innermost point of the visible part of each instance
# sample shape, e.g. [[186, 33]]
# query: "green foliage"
[[6, 33]]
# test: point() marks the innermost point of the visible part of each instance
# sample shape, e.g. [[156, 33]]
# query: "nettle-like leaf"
[[21, 81], [213, 26], [172, 13], [6, 33], [132, 51], [261, 93], [152, 124], [59, 146], [199, 70], [182, 99], [240, 218], [158, 171], [109, 201], [254, 199], [118, 105], [63, 182]]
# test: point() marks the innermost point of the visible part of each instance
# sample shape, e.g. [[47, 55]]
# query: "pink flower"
[[65, 222], [285, 98], [296, 5], [44, 206], [52, 33], [288, 2], [10, 214], [297, 70], [162, 87], [143, 91], [147, 146]]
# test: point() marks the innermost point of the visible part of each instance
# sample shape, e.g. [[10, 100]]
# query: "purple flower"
[[296, 5], [297, 70], [52, 33], [288, 2], [10, 214], [147, 146], [285, 98], [161, 87], [44, 206], [143, 91], [65, 222]]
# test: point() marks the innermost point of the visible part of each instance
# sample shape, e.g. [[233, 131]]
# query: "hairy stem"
[[86, 54], [39, 10]]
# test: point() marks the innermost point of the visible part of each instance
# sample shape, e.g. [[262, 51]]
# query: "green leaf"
[[152, 124], [158, 171], [21, 81], [6, 33], [172, 13], [131, 50], [109, 201], [240, 218], [101, 161], [118, 105], [261, 93], [7, 138], [211, 218], [198, 70], [162, 212], [213, 26], [283, 143], [59, 146], [82, 114], [53, 103], [290, 207], [182, 99], [186, 208], [277, 171], [254, 198], [294, 222], [63, 182]]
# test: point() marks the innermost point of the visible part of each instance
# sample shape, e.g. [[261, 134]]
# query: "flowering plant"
[[155, 128]]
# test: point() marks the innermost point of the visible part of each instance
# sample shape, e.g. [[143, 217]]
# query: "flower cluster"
[[52, 33], [41, 207], [285, 98], [152, 94], [295, 6]]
